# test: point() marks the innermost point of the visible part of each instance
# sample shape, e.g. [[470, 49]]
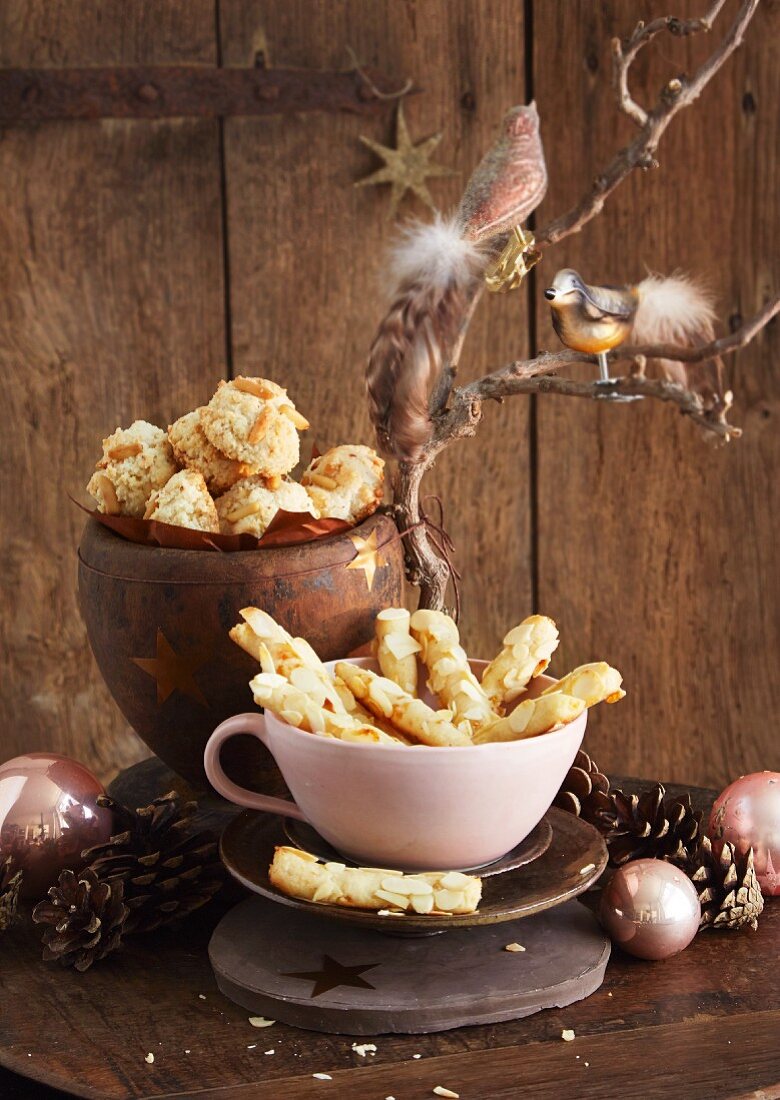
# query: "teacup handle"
[[243, 723]]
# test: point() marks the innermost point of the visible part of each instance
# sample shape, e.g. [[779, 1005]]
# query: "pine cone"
[[727, 887], [167, 872], [585, 793], [650, 826], [10, 882], [85, 918]]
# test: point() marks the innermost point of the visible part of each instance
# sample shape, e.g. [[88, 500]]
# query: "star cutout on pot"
[[367, 557], [332, 975], [406, 167], [172, 671]]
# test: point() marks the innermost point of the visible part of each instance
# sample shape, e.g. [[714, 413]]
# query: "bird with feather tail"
[[672, 309], [433, 271]]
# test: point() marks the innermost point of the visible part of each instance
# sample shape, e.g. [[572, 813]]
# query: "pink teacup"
[[408, 808]]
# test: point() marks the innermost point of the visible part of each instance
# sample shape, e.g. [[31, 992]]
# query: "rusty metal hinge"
[[42, 95]]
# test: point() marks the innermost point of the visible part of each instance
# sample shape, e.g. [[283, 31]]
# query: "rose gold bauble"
[[650, 909], [747, 815], [48, 816]]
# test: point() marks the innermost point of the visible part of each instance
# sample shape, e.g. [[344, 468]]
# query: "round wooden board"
[[319, 975], [575, 858]]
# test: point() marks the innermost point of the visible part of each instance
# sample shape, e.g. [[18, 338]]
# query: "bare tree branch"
[[678, 93]]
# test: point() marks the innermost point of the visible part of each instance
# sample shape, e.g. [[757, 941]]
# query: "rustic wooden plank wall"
[[121, 299]]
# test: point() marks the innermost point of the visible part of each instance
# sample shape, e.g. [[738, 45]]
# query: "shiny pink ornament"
[[48, 816], [650, 909], [747, 815]]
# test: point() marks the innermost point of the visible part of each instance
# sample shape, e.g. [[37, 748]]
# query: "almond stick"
[[411, 716], [532, 717], [301, 875], [396, 649], [527, 650], [449, 674], [593, 683], [292, 658]]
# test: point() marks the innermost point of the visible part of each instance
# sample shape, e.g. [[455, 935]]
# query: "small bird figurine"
[[658, 310]]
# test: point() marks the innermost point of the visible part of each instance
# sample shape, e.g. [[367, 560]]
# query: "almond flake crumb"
[[441, 1091], [251, 1046], [587, 869], [417, 1056], [567, 1035], [201, 996], [186, 1052], [260, 1021], [322, 1076], [364, 1048], [609, 994], [271, 1051], [586, 1063], [149, 1058], [514, 947]]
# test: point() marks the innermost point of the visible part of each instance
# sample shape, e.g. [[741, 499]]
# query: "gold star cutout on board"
[[367, 557], [332, 975], [407, 167], [172, 671]]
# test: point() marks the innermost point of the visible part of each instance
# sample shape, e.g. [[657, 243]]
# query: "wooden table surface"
[[704, 1024]]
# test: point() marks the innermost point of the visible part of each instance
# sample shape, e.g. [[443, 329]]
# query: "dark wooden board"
[[347, 979], [111, 303], [656, 551], [709, 1016]]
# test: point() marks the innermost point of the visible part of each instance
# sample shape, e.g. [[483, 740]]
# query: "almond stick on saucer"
[[526, 653], [532, 717], [438, 893], [396, 649], [449, 674], [303, 710], [292, 658], [410, 716], [594, 683]]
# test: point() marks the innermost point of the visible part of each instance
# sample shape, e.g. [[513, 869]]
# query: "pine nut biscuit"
[[192, 449], [253, 420], [184, 501], [346, 482], [250, 505], [136, 461]]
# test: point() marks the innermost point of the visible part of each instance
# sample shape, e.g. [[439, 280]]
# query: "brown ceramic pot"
[[158, 621]]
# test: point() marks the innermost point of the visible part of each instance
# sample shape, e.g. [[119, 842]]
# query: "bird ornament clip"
[[672, 309]]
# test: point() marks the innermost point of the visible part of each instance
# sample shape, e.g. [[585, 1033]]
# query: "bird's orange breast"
[[581, 333]]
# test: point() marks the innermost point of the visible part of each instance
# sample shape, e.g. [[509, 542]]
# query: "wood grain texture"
[[655, 551], [708, 1018], [306, 248], [111, 309]]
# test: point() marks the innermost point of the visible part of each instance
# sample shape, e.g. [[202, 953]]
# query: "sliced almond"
[[454, 880], [440, 1090], [394, 899], [243, 511], [323, 481], [407, 886], [124, 450], [261, 425], [514, 947], [449, 900], [300, 422], [255, 387], [108, 493], [422, 903]]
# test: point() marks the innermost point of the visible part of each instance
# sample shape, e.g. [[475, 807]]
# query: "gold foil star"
[[367, 557], [172, 671], [407, 167], [332, 975]]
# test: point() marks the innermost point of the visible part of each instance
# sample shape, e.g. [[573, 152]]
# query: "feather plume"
[[675, 309], [430, 270]]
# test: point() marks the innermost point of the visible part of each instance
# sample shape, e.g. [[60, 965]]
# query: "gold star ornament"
[[367, 557], [406, 167], [172, 671]]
